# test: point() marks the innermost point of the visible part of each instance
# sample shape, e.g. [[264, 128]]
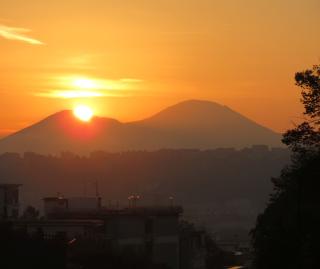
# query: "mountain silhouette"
[[189, 124]]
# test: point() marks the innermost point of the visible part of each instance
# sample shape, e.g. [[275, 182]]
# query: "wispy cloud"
[[20, 34], [69, 94], [83, 87]]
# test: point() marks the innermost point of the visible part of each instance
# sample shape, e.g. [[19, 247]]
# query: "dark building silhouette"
[[151, 232], [9, 201]]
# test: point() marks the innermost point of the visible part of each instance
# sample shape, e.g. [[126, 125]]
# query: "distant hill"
[[223, 189], [189, 124]]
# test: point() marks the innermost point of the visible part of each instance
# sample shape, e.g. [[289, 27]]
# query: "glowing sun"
[[83, 113]]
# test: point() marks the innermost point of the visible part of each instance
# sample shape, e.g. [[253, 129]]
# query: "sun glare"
[[83, 113], [84, 83]]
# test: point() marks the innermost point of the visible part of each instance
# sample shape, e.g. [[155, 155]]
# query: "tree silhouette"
[[287, 233], [305, 138], [30, 212]]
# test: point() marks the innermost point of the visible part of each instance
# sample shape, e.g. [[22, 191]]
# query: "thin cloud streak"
[[15, 33], [70, 94], [75, 87]]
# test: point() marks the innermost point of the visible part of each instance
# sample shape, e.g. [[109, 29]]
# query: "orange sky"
[[139, 56]]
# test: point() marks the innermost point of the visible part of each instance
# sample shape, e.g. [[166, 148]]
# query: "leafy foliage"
[[287, 233], [305, 138]]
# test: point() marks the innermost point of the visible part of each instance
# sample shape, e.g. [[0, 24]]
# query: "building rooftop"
[[64, 222], [105, 212], [10, 185], [53, 198]]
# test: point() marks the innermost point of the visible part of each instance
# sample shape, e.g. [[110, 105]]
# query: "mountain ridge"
[[188, 124]]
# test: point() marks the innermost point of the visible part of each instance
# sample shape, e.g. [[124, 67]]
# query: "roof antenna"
[[97, 189], [84, 188]]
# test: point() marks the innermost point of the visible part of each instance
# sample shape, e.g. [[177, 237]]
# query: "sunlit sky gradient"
[[138, 57]]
